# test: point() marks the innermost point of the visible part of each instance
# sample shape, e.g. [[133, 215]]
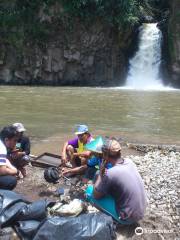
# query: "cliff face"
[[89, 56], [174, 41]]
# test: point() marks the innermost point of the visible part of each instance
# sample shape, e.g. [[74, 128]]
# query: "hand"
[[65, 171], [76, 154], [102, 168], [16, 154], [21, 154], [64, 159], [10, 166]]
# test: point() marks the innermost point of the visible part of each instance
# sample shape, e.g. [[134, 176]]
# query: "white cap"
[[19, 127], [80, 129]]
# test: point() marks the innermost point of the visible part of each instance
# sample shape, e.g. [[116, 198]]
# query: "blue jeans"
[[106, 204], [8, 182]]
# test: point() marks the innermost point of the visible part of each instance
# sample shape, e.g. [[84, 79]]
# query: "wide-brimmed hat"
[[95, 145], [80, 129], [19, 127]]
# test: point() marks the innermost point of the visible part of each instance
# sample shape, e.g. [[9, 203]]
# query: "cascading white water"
[[144, 66]]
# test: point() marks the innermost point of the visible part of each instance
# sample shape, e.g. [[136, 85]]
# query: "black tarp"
[[94, 226], [31, 222]]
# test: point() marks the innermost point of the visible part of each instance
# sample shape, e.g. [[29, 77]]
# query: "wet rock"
[[72, 56], [5, 75]]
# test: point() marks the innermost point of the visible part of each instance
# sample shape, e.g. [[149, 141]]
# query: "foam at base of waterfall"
[[150, 88]]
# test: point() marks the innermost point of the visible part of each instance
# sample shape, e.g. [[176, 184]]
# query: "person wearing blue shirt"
[[94, 163]]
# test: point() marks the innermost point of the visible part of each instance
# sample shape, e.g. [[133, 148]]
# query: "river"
[[50, 113]]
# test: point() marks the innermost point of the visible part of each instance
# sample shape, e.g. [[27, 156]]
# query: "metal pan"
[[47, 160]]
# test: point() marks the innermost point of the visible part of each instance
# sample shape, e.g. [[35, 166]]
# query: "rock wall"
[[174, 42], [85, 56]]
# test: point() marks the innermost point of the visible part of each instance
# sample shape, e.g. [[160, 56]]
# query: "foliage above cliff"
[[20, 19], [116, 12]]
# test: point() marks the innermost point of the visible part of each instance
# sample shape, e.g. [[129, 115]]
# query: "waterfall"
[[144, 66]]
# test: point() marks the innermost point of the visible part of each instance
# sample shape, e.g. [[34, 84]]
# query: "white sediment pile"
[[160, 171]]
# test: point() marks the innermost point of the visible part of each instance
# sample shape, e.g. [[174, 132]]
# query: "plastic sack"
[[8, 198], [14, 208], [26, 229], [74, 208], [95, 226], [10, 204], [34, 211]]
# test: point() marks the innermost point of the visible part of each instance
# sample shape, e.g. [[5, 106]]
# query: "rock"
[[172, 192], [5, 75], [177, 205], [173, 41], [72, 56], [147, 180], [158, 170], [19, 75], [153, 206], [157, 197], [93, 55]]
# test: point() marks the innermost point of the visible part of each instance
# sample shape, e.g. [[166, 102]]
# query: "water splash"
[[144, 66]]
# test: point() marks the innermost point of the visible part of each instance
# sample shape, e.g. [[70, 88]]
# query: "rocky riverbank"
[[160, 172]]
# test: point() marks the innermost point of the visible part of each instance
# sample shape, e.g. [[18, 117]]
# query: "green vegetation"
[[20, 19], [118, 13]]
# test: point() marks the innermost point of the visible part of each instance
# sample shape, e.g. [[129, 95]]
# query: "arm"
[[15, 154], [97, 195], [85, 154], [102, 184], [75, 170], [73, 143], [64, 152], [8, 169], [27, 147]]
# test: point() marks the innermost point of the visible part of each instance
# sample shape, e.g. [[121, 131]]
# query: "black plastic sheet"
[[26, 230], [14, 208], [31, 223], [94, 226]]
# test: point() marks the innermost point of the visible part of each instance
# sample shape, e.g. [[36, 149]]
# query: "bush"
[[118, 13], [19, 19]]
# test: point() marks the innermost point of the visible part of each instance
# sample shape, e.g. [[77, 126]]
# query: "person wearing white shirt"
[[8, 139]]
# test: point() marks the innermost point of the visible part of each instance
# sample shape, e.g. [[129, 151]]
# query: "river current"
[[135, 116]]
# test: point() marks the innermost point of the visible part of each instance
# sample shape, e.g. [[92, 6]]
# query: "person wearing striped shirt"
[[8, 139]]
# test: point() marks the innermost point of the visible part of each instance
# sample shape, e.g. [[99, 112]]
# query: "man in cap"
[[8, 172], [74, 151], [119, 191], [19, 156]]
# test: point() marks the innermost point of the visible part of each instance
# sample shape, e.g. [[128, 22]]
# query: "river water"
[[51, 112]]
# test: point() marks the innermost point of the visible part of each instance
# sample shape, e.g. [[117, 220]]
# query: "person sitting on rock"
[[8, 139], [118, 191], [74, 152], [19, 156]]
